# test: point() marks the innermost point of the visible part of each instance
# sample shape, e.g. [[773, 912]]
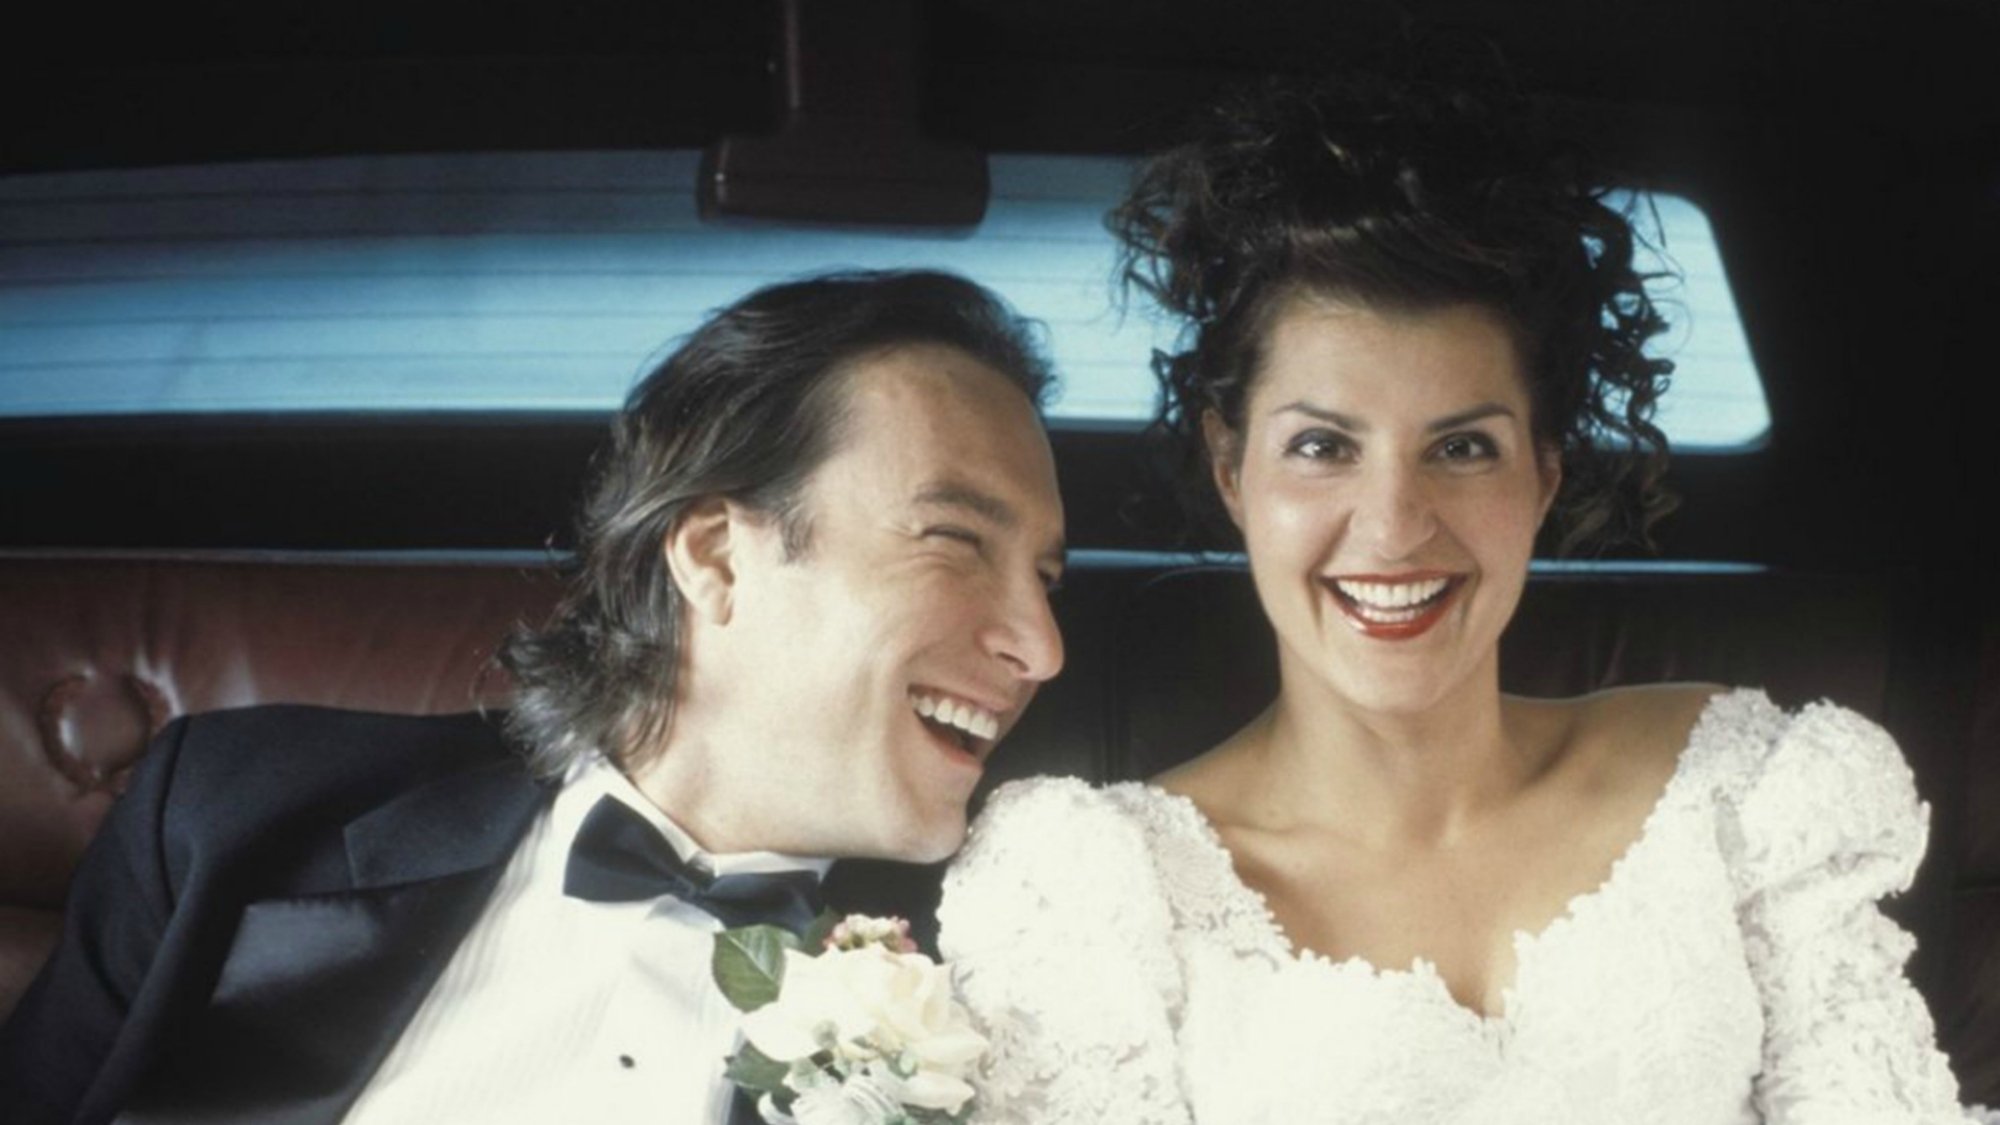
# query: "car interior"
[[311, 320]]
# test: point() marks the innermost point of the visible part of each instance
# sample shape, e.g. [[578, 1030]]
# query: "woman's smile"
[[1395, 608]]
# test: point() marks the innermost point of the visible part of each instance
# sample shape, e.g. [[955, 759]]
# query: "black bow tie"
[[619, 857]]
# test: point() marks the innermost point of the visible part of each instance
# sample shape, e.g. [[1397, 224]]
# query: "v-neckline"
[[1423, 971]]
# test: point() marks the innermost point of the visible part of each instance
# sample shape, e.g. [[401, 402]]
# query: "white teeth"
[[1389, 596], [975, 721]]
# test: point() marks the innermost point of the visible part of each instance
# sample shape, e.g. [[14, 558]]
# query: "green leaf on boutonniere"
[[753, 1070], [814, 939], [749, 964]]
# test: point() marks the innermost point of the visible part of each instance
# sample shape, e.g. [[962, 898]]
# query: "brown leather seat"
[[98, 653]]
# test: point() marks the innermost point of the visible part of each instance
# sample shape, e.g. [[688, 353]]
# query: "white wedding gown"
[[1732, 968]]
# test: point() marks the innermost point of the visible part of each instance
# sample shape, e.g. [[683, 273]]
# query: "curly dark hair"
[[748, 407], [1405, 196]]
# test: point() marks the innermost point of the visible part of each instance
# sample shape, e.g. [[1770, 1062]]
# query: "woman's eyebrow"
[[1344, 421], [1352, 424], [1466, 417]]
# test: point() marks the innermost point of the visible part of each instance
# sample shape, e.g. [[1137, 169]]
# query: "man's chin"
[[932, 841], [936, 852]]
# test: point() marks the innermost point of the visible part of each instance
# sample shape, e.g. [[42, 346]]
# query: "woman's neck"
[[1382, 778]]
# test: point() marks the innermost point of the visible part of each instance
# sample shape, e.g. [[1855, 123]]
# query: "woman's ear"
[[1225, 462], [698, 552], [1549, 465]]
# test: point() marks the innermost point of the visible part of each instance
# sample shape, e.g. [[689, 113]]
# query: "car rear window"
[[545, 282]]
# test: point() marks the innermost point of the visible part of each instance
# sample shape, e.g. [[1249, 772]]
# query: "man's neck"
[[606, 779], [711, 805]]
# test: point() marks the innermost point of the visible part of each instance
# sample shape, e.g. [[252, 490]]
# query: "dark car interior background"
[[1846, 154]]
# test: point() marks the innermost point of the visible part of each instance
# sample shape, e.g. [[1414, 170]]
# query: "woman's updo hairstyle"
[[1404, 197]]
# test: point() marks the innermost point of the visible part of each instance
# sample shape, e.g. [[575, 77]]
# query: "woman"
[[1398, 895]]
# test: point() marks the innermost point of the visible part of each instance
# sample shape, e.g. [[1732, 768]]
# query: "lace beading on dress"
[[1733, 967], [1062, 951]]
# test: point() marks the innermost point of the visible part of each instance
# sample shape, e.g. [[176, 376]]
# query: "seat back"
[[1165, 658]]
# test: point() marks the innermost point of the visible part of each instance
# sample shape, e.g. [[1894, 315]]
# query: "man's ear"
[[698, 552], [1225, 462]]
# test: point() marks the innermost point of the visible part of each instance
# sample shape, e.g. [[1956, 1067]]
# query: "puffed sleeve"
[[1057, 933], [1826, 823]]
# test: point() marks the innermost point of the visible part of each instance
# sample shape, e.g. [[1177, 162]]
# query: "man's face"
[[882, 665]]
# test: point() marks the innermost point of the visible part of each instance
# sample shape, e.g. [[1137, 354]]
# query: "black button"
[[626, 1062]]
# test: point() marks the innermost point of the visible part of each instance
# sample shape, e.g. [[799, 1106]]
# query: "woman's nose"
[[1394, 515]]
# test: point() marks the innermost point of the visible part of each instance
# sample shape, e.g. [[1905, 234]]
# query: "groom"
[[810, 597]]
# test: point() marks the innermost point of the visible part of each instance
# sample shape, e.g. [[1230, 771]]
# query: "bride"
[[1414, 335]]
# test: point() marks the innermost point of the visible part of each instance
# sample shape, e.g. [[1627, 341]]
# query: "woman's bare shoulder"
[[1677, 706], [1646, 727], [1626, 738]]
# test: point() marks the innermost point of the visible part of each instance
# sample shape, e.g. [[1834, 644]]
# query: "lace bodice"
[[1732, 968]]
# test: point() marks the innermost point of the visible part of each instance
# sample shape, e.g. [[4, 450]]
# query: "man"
[[812, 595]]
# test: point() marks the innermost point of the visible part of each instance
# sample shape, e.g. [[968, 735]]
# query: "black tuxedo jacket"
[[262, 914]]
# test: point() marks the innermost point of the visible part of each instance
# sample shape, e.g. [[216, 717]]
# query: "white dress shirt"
[[555, 1009]]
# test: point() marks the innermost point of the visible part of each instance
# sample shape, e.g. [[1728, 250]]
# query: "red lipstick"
[[1395, 607]]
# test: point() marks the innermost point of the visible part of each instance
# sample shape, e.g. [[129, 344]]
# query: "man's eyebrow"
[[964, 497], [951, 494]]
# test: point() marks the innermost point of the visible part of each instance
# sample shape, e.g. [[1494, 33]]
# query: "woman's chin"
[[1398, 686], [1392, 699]]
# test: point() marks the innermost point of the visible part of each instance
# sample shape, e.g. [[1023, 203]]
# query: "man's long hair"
[[746, 409]]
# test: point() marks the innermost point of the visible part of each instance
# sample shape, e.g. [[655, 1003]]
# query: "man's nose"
[[1395, 514], [1025, 636]]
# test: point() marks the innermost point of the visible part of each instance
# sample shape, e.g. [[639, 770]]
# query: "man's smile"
[[972, 727]]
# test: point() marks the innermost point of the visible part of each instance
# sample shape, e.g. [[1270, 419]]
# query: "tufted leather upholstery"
[[97, 654], [1164, 659]]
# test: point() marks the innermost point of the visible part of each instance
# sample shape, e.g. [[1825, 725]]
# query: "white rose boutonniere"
[[847, 1025]]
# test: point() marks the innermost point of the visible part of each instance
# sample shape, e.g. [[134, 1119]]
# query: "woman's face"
[[1389, 488]]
